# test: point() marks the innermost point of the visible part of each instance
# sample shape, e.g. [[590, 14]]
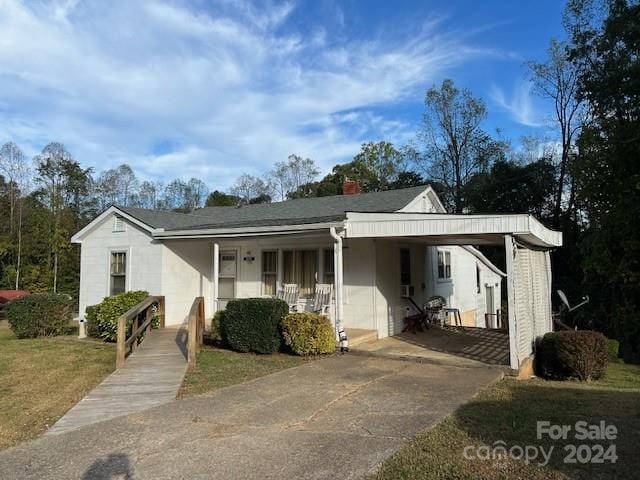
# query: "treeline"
[[583, 180]]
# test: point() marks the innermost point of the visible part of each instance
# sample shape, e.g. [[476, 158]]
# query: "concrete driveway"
[[338, 417]]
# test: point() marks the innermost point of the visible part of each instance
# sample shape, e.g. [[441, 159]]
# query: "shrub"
[[39, 314], [578, 354], [613, 348], [308, 333], [215, 333], [102, 319], [252, 324]]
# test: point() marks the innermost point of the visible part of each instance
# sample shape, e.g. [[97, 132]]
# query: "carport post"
[[509, 251]]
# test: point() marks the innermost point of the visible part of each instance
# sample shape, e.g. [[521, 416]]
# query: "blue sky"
[[215, 89]]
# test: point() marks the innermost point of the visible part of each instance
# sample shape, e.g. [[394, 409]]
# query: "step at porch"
[[358, 336]]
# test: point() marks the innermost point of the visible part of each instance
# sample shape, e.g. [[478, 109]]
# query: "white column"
[[338, 283], [511, 302], [216, 274]]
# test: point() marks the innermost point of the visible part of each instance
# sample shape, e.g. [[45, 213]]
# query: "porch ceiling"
[[449, 229]]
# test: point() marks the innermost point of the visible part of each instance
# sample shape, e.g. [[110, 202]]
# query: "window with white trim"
[[269, 272], [444, 265], [301, 267], [328, 264], [118, 273]]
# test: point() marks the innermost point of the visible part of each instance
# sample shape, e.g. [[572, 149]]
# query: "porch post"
[[511, 302], [338, 280], [216, 274]]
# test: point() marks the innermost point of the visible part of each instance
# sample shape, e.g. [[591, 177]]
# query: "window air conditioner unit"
[[407, 291]]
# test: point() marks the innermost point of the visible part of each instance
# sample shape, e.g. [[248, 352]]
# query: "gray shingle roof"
[[299, 211]]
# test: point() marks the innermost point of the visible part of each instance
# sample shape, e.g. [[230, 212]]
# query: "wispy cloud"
[[230, 88], [518, 104]]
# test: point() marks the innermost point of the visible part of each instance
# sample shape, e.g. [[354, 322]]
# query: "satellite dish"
[[563, 299]]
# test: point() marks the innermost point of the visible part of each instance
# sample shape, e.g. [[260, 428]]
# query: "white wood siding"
[[144, 261]]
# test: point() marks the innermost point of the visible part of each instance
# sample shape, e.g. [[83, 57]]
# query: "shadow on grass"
[[509, 413]]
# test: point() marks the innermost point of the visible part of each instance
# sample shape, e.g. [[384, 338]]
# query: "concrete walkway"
[[338, 417], [463, 347], [150, 377]]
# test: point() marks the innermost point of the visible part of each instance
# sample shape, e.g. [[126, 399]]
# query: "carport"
[[527, 244]]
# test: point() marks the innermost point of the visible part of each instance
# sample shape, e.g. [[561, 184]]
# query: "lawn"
[[217, 368], [508, 412], [40, 379]]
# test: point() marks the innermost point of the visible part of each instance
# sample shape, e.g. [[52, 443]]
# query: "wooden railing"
[[195, 329], [143, 309], [500, 321]]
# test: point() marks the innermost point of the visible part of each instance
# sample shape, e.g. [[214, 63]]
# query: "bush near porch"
[[102, 319], [253, 324], [581, 354], [39, 315], [307, 333]]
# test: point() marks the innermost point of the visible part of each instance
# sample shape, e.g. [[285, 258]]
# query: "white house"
[[370, 246]]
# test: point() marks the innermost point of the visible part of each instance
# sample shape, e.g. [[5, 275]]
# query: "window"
[[328, 269], [118, 273], [269, 272], [405, 266], [119, 225], [444, 265], [300, 267], [477, 278]]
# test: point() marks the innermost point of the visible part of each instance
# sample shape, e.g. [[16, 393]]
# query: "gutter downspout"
[[337, 260]]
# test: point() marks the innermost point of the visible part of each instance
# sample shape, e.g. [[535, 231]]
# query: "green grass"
[[42, 378], [216, 368], [508, 411]]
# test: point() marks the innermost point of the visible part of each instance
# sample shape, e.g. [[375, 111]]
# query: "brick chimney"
[[350, 187]]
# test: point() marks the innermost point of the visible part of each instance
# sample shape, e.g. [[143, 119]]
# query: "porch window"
[[269, 272], [300, 267], [405, 266], [118, 272], [329, 274], [444, 265]]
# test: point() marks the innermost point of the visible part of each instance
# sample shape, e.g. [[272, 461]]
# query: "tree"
[[150, 195], [248, 187], [16, 172], [290, 175], [604, 50], [196, 194], [14, 168], [455, 146], [378, 166], [220, 199], [63, 183], [556, 79], [512, 187]]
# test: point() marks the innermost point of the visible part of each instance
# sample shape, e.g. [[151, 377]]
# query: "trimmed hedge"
[[581, 354], [308, 333], [40, 314], [102, 319], [253, 324]]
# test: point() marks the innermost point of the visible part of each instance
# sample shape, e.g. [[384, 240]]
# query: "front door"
[[227, 278], [490, 309]]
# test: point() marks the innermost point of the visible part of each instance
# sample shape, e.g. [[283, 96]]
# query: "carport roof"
[[452, 229]]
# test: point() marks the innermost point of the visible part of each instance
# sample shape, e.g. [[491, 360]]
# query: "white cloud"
[[230, 88], [518, 104]]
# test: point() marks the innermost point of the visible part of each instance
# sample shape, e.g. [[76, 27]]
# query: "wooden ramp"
[[150, 377]]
